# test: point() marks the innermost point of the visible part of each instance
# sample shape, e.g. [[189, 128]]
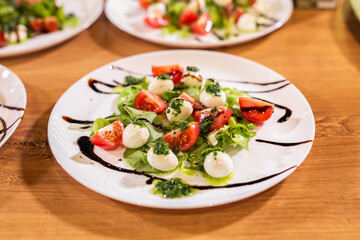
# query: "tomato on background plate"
[[219, 115], [156, 21], [187, 16], [2, 39], [148, 101], [203, 25], [255, 110], [109, 137], [185, 140]]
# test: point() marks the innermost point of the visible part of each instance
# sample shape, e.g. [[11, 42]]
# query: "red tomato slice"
[[256, 110], [237, 13], [195, 104], [166, 69], [37, 24], [150, 102], [110, 136], [220, 116], [2, 39], [145, 3], [187, 16], [185, 140], [252, 2], [156, 21], [174, 70], [50, 24], [203, 25]]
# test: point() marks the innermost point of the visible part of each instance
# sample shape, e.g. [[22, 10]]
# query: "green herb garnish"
[[207, 151], [164, 77], [176, 105], [214, 89], [161, 148], [131, 80], [172, 188], [192, 69]]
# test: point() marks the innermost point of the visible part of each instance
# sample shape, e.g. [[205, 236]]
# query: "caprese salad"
[[224, 18], [23, 19], [176, 120]]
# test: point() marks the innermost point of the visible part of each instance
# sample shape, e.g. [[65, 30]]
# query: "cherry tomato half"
[[156, 21], [109, 137], [148, 101], [185, 140], [187, 16], [219, 115], [255, 110], [174, 70], [195, 104], [2, 39], [203, 25]]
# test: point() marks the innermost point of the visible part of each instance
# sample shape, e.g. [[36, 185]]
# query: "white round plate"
[[87, 11], [12, 102], [81, 102], [128, 16]]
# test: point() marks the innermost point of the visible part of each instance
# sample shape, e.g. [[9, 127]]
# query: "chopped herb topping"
[[161, 148], [213, 110], [176, 105], [192, 69], [164, 77], [205, 125], [213, 89], [207, 151], [183, 126], [173, 188], [131, 80], [139, 123]]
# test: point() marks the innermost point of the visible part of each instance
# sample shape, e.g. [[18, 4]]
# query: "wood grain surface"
[[318, 51]]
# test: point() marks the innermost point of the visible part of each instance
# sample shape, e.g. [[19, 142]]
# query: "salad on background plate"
[[199, 23], [196, 133], [31, 25]]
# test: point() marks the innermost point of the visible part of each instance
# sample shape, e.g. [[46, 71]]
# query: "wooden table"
[[316, 50]]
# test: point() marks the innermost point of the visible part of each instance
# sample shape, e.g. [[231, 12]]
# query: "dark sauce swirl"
[[282, 143], [288, 111], [5, 128], [87, 148], [93, 82]]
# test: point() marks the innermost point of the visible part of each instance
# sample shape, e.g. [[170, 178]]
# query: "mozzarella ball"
[[22, 32], [218, 166], [179, 110], [223, 3], [210, 101], [196, 5], [159, 86], [11, 37], [247, 22], [162, 162], [156, 9], [192, 79], [135, 136]]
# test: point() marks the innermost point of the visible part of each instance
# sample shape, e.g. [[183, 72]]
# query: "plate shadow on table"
[[92, 212], [109, 37]]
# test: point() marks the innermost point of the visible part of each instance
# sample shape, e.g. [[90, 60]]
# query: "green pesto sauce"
[[213, 89], [217, 181], [183, 126], [192, 69], [205, 125], [161, 148], [164, 77], [172, 188], [139, 123], [176, 105]]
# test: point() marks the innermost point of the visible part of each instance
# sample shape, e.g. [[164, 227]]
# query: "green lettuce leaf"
[[136, 158], [98, 124]]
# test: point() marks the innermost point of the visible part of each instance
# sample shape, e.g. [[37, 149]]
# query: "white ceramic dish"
[[88, 12], [12, 103], [128, 16], [81, 102]]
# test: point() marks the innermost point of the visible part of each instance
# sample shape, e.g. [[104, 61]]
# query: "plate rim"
[[75, 32], [276, 180], [24, 105], [232, 42]]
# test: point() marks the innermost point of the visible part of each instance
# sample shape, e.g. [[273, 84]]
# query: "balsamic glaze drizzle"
[[288, 111], [87, 148], [92, 83], [112, 67], [270, 90], [76, 121], [5, 128], [283, 144]]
